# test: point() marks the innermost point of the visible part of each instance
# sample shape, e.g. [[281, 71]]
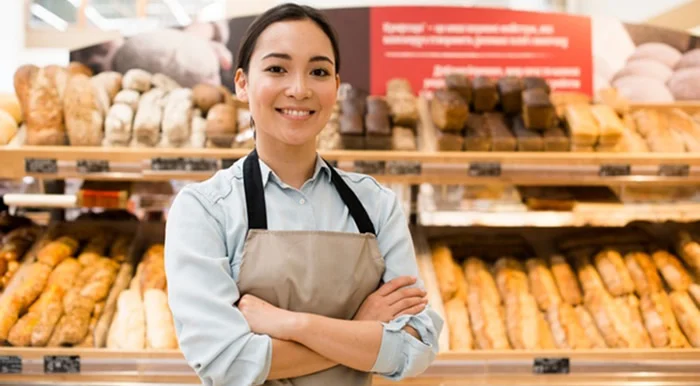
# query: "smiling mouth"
[[296, 113]]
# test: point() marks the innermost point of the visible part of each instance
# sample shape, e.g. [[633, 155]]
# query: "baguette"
[[590, 280], [672, 270], [566, 281], [33, 283], [21, 333], [510, 278], [105, 320], [660, 322], [487, 322], [614, 273], [58, 250], [65, 274], [689, 250], [522, 322], [444, 272], [128, 330], [480, 279], [10, 308], [590, 328], [566, 328], [643, 273], [542, 284], [545, 333], [462, 288], [611, 324], [694, 291], [688, 316], [160, 330], [48, 320], [628, 307], [460, 329]]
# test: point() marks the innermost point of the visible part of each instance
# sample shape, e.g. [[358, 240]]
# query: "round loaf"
[[685, 84], [44, 112], [129, 98], [22, 79], [205, 96], [83, 112], [9, 103], [690, 59], [137, 79], [663, 53], [165, 82], [221, 120], [75, 68]]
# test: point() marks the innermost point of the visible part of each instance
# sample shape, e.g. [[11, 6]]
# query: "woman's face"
[[291, 83]]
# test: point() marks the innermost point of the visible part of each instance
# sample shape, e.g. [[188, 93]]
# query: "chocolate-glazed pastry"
[[447, 141], [477, 136], [448, 111], [538, 111], [461, 84], [485, 94], [528, 140], [510, 90], [502, 138], [534, 82]]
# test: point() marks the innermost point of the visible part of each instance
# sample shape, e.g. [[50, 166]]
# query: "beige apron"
[[325, 273]]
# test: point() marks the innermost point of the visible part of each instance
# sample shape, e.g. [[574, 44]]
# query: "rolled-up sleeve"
[[401, 355], [213, 334]]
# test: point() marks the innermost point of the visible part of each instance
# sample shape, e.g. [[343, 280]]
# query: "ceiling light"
[[48, 17], [178, 11]]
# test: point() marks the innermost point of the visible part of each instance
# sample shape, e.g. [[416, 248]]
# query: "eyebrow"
[[318, 58]]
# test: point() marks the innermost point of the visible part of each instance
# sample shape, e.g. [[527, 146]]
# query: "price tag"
[[404, 168], [551, 366], [615, 170], [485, 169], [228, 162], [674, 170], [370, 167], [200, 164], [167, 164], [40, 165], [10, 364], [62, 364], [86, 166]]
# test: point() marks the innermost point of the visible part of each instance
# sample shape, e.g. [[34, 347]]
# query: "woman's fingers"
[[395, 284], [415, 310], [404, 293], [407, 303]]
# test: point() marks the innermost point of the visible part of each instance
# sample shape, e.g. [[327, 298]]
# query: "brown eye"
[[275, 69], [320, 72]]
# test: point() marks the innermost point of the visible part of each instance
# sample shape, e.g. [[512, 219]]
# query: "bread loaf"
[[448, 111], [542, 284], [538, 111], [609, 123], [65, 274], [614, 273], [545, 333], [32, 284], [688, 316], [502, 139], [164, 82], [404, 108], [403, 139], [566, 281], [83, 115], [528, 140], [48, 321], [660, 322], [484, 94], [582, 126], [590, 328], [128, 330], [149, 117], [129, 98], [153, 272], [120, 284], [8, 128], [118, 124], [160, 331], [206, 96], [177, 117], [44, 111], [111, 82], [480, 278], [460, 84], [23, 79], [694, 291], [672, 270], [75, 68], [522, 321], [477, 136], [137, 79], [510, 90], [566, 328], [444, 271], [643, 273]]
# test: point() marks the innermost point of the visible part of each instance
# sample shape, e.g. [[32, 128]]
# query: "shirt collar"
[[267, 173]]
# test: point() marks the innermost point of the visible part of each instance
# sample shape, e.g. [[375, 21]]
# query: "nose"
[[298, 88]]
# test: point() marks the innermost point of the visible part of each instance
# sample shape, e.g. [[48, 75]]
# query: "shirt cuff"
[[392, 355], [265, 372]]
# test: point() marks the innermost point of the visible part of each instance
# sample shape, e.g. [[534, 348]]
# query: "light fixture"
[[48, 17], [178, 11]]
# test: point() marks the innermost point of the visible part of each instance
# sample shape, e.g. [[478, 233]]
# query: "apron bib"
[[324, 273]]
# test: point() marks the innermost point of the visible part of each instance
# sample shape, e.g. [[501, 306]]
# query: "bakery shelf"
[[467, 168]]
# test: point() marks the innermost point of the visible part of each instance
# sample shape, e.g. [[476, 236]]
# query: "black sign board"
[[404, 168], [10, 364], [615, 170], [674, 170], [40, 166], [485, 169], [86, 166], [550, 366], [370, 167], [62, 364]]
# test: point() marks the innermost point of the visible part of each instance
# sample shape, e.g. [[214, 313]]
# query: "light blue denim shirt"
[[204, 241]]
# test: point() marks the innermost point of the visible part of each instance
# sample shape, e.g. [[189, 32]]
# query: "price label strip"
[[485, 169], [62, 364], [40, 166], [10, 364], [551, 366], [370, 167], [184, 164], [674, 170], [200, 164], [615, 170], [87, 166], [404, 168]]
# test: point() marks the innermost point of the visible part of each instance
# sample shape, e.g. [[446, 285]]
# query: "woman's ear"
[[241, 85], [337, 82]]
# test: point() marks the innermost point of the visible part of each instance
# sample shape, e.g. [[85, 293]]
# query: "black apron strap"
[[254, 192], [357, 211]]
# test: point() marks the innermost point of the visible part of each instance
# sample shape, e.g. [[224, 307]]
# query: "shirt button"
[[302, 201]]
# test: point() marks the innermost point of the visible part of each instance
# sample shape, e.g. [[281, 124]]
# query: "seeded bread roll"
[[448, 111]]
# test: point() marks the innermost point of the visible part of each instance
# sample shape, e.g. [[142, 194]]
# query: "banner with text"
[[423, 44]]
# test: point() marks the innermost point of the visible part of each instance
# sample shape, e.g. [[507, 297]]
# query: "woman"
[[275, 266]]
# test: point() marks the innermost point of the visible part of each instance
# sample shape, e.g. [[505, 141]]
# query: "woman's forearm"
[[291, 359], [354, 344]]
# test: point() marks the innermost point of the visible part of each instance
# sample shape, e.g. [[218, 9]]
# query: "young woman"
[[276, 266]]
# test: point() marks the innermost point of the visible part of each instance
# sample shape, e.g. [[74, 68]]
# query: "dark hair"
[[279, 13]]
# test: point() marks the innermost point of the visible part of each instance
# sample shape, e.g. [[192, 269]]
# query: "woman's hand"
[[266, 319], [392, 300]]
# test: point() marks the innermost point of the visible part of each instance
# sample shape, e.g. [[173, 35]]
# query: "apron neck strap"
[[255, 196]]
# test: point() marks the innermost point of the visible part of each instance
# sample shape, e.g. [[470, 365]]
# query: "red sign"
[[423, 44]]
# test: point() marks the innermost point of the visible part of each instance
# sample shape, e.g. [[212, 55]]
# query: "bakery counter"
[[90, 366], [408, 167]]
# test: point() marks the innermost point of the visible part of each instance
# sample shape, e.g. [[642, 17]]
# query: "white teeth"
[[296, 113]]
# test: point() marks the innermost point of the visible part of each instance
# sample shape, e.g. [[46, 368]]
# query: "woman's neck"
[[294, 165]]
